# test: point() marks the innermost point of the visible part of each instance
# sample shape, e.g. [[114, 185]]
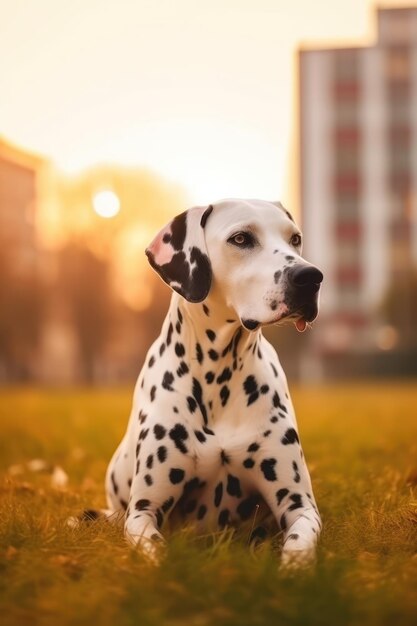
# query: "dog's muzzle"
[[302, 293]]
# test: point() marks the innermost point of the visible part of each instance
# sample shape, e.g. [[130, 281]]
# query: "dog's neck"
[[212, 325]]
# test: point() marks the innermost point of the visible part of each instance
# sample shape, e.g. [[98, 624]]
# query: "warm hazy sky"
[[198, 90]]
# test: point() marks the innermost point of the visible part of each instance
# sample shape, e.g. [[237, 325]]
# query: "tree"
[[399, 308], [85, 286]]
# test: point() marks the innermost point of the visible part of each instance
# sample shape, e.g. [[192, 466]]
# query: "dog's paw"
[[153, 548], [292, 560]]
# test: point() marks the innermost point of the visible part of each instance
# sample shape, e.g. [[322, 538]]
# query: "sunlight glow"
[[106, 204]]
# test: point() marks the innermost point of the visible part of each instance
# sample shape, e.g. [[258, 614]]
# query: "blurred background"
[[115, 116]]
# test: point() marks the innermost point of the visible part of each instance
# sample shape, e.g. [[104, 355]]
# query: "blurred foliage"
[[84, 284], [399, 308]]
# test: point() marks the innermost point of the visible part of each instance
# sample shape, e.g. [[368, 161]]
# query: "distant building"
[[358, 156], [19, 172]]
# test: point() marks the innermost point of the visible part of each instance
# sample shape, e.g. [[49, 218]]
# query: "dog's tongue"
[[300, 325]]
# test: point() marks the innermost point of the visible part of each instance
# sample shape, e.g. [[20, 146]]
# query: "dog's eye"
[[242, 240], [296, 240]]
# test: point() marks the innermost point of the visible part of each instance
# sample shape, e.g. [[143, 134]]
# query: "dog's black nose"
[[305, 276]]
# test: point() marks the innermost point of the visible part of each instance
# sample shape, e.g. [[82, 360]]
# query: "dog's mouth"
[[300, 319]]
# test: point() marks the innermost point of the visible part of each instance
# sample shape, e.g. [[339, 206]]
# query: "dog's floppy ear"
[[179, 254]]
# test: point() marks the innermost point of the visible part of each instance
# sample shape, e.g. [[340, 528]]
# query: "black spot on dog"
[[161, 454], [281, 493], [248, 463], [192, 404], [191, 485], [142, 504], [233, 486], [208, 431], [283, 522], [179, 231], [267, 433], [169, 334], [176, 475], [198, 396], [209, 377], [250, 387], [167, 381], [182, 369], [149, 461], [273, 305], [274, 369], [159, 520], [290, 437], [162, 349], [297, 476], [278, 404], [201, 512], [206, 310], [268, 469], [152, 393], [289, 258], [254, 447], [258, 535], [224, 394], [211, 334], [174, 408], [247, 507], [143, 434], [151, 361], [167, 504], [264, 389], [179, 434], [223, 519], [277, 276], [224, 376], [200, 436], [225, 459], [293, 537], [199, 353], [218, 494], [178, 328], [274, 419], [148, 479], [213, 355], [179, 349], [297, 502], [114, 484], [159, 431]]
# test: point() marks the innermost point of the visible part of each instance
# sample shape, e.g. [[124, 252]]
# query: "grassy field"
[[361, 445]]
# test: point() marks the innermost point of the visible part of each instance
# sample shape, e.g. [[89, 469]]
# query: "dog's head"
[[249, 251]]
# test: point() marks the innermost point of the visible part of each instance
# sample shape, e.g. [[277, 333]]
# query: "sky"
[[203, 92]]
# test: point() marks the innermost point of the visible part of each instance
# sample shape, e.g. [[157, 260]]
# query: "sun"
[[106, 203]]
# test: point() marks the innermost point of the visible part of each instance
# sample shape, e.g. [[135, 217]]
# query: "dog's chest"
[[221, 490]]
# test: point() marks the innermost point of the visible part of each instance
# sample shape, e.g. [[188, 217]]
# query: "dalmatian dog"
[[212, 434]]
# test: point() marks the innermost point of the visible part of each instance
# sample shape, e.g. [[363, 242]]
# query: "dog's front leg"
[[162, 472], [288, 493]]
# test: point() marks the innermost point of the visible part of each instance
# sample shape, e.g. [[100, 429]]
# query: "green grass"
[[361, 445]]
